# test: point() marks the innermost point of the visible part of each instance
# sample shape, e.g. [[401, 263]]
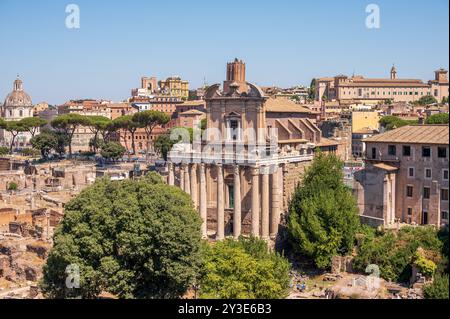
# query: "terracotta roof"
[[384, 84], [386, 167], [414, 134], [327, 142], [285, 106], [192, 102], [365, 130], [325, 79], [192, 112], [117, 105]]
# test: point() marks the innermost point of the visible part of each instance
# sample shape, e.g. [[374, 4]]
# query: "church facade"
[[242, 173], [17, 106]]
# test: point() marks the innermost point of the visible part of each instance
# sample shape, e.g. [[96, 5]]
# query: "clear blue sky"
[[283, 42]]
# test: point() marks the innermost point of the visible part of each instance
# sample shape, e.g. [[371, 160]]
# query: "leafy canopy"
[[394, 252], [390, 122], [134, 239], [45, 143], [112, 150], [441, 118], [243, 269], [323, 217]]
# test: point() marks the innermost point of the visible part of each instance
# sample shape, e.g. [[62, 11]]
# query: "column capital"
[[255, 170], [265, 170]]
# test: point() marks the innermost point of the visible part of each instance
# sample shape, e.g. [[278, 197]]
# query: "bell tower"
[[393, 73], [235, 76]]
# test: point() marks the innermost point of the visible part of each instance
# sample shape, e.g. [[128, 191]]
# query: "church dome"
[[18, 97]]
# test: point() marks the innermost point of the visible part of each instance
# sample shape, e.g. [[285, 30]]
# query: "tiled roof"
[[192, 112], [414, 134], [386, 167], [285, 106]]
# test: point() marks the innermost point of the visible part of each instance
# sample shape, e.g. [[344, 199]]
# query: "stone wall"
[[292, 175]]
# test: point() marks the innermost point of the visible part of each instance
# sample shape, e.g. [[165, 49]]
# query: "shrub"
[[393, 251], [13, 186]]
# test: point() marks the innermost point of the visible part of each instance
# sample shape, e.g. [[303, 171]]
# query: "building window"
[[392, 150], [409, 211], [445, 174], [374, 152], [424, 217], [444, 215], [230, 196], [444, 194], [428, 173], [409, 191], [442, 152], [406, 150], [233, 129], [426, 151], [426, 193], [411, 172]]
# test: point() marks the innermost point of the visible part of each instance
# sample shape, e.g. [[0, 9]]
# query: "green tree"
[[243, 269], [149, 120], [203, 124], [45, 142], [323, 217], [33, 124], [438, 289], [440, 118], [394, 252], [312, 90], [4, 150], [135, 239], [63, 142], [163, 145], [427, 99], [390, 122], [68, 123], [112, 150], [14, 128], [127, 124], [99, 125], [444, 100]]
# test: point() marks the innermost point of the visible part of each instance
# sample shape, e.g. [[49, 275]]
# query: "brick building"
[[406, 176]]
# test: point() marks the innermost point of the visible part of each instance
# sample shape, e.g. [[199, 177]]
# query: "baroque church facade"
[[242, 179], [18, 105]]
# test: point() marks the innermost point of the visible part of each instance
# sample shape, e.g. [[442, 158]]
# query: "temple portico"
[[242, 173]]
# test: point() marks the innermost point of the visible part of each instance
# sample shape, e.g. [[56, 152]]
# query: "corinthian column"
[[193, 186], [203, 210], [265, 204], [182, 176], [187, 180], [237, 203], [255, 202], [276, 203], [171, 179], [220, 204]]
